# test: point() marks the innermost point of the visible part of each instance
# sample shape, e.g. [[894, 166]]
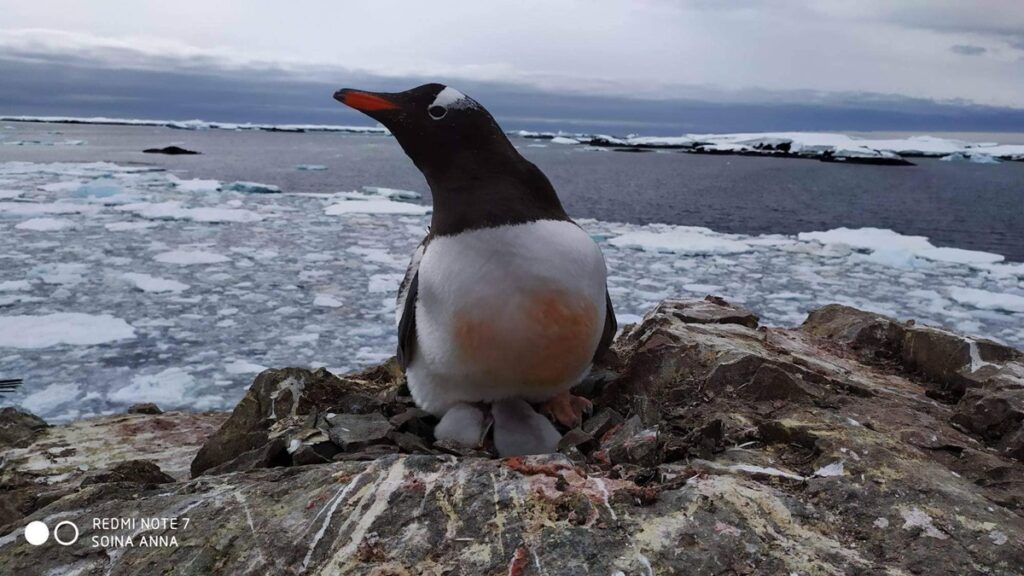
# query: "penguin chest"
[[516, 306], [545, 337]]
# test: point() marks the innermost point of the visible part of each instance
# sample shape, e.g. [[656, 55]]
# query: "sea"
[[128, 277]]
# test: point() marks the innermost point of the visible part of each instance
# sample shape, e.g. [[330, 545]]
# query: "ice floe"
[[173, 210], [148, 283], [253, 188], [681, 240], [45, 224], [375, 206], [42, 331], [190, 257]]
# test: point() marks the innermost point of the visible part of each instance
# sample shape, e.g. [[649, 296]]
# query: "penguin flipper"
[[405, 306], [610, 327], [407, 325]]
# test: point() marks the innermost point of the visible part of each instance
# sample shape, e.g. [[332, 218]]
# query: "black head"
[[434, 124], [477, 178]]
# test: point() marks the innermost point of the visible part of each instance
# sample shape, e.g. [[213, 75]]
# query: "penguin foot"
[[462, 424], [568, 409], [519, 430]]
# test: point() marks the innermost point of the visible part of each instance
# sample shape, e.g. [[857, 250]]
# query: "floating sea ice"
[[197, 185], [172, 210], [375, 206], [8, 194], [188, 257], [960, 256], [99, 188], [11, 285], [563, 140], [327, 301], [45, 224], [126, 226], [392, 193], [148, 283], [243, 367], [62, 328], [52, 397], [383, 283], [868, 239], [681, 240], [38, 208], [311, 167], [168, 389], [987, 300], [253, 188]]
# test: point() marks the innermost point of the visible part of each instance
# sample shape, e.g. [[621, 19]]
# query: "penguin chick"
[[462, 424], [519, 430]]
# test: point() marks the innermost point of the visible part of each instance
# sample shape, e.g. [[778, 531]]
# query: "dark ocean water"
[[971, 206]]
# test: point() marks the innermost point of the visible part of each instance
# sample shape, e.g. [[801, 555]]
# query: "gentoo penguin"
[[505, 302]]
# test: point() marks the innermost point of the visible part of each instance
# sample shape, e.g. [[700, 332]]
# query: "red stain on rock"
[[517, 565], [525, 468]]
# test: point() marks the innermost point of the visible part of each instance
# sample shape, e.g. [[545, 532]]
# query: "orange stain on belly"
[[553, 341]]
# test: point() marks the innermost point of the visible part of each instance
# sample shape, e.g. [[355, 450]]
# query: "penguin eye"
[[437, 112]]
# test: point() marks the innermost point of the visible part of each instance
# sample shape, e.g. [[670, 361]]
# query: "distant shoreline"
[[823, 146]]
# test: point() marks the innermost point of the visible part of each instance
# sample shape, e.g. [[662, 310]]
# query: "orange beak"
[[364, 101]]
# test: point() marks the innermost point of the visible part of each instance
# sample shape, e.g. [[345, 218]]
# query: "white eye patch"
[[452, 98]]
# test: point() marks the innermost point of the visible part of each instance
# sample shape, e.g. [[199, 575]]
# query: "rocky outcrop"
[[854, 444]]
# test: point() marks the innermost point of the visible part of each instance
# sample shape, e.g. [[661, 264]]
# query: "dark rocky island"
[[853, 444], [170, 150]]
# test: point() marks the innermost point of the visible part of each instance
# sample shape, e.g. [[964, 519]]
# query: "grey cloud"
[[968, 49]]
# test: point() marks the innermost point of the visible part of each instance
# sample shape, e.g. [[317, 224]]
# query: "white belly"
[[509, 312]]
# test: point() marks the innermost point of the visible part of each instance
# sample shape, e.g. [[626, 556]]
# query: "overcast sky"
[[745, 51]]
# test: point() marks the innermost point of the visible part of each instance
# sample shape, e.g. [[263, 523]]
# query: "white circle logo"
[[70, 541], [36, 533]]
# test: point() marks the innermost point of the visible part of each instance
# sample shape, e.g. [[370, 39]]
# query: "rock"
[[603, 420], [170, 150], [711, 310], [867, 333], [995, 415], [18, 428], [144, 408], [353, 431], [576, 438], [631, 443], [132, 471], [717, 448], [280, 402]]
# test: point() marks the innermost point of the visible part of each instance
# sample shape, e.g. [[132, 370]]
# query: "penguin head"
[[436, 125]]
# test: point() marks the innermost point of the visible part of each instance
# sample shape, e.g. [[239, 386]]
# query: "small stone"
[[133, 471], [144, 408], [576, 438], [414, 421], [18, 428], [352, 432], [603, 421]]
